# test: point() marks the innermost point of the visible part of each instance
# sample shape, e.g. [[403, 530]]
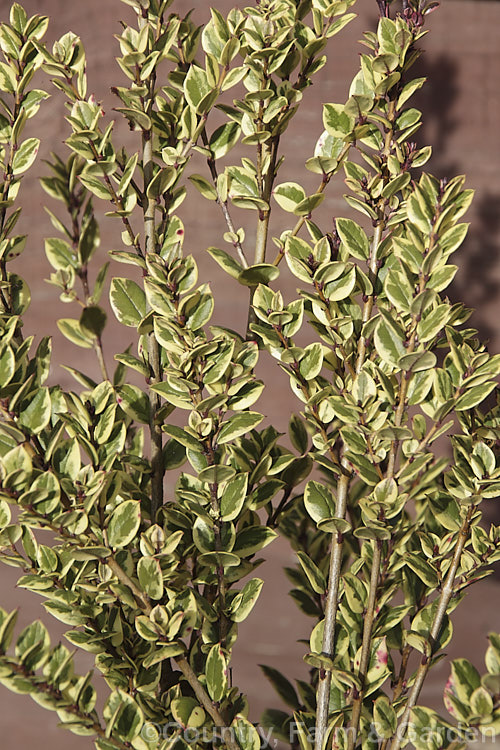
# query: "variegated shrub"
[[152, 568]]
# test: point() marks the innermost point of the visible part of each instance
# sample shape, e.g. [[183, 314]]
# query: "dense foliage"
[[387, 531]]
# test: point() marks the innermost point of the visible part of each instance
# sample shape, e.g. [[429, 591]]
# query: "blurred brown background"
[[461, 104]]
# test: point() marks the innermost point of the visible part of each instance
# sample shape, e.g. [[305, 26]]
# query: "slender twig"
[[98, 348], [145, 605], [265, 214], [6, 301], [263, 222], [444, 600], [155, 428], [223, 204], [369, 617], [331, 606], [323, 693], [186, 669], [341, 348], [67, 704], [327, 176], [149, 206], [405, 657], [368, 306], [76, 204], [221, 581], [181, 661], [140, 596]]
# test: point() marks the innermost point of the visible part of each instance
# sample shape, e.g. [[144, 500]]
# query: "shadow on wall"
[[478, 280], [476, 283]]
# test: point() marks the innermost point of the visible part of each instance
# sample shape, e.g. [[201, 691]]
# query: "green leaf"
[[246, 396], [163, 652], [238, 425], [203, 535], [134, 402], [283, 687], [8, 80], [36, 416], [340, 288], [161, 182], [222, 559], [224, 138], [298, 434], [216, 673], [252, 539], [433, 323], [59, 253], [288, 195], [127, 717], [307, 206], [197, 309], [196, 86], [133, 362], [363, 387], [442, 277], [20, 294], [233, 497], [486, 456], [67, 459], [423, 568], [318, 501], [7, 625], [89, 240], [336, 121], [311, 363], [229, 264], [203, 186], [389, 342], [262, 273], [417, 361], [124, 523], [387, 33], [355, 593], [334, 525], [313, 573], [354, 238], [474, 396], [187, 712], [416, 214], [104, 427], [5, 514], [150, 577], [7, 365], [136, 117], [95, 185], [183, 437], [246, 735], [481, 702], [244, 602], [384, 717], [464, 679], [340, 23], [386, 491], [242, 183], [128, 301], [71, 329], [93, 320], [25, 155], [127, 175]]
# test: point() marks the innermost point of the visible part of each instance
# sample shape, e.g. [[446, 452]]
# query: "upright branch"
[[149, 209]]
